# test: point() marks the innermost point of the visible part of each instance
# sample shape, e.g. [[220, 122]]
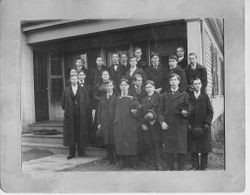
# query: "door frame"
[[51, 109]]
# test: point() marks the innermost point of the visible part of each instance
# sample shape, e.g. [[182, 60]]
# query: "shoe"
[[83, 154], [70, 157]]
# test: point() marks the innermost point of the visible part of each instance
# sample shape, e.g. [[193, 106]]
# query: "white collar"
[[193, 66], [181, 58], [132, 69], [151, 94], [174, 90], [197, 94]]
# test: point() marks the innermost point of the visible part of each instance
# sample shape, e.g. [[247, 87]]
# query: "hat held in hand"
[[150, 115], [197, 131]]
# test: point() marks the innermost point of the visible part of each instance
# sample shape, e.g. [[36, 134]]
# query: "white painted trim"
[[78, 29]]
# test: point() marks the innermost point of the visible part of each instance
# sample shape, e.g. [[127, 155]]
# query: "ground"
[[215, 161]]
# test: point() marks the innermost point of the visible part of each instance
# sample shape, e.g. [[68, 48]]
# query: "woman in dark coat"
[[125, 125], [74, 103], [173, 111], [200, 131], [105, 119]]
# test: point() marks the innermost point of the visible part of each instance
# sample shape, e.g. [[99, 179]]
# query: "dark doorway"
[[41, 86]]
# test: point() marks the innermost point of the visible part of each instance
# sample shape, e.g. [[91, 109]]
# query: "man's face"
[[138, 81], [73, 80], [179, 52], [115, 58], [124, 87], [124, 58], [150, 88], [172, 63], [133, 62], [155, 60], [193, 59], [99, 62], [197, 85], [78, 62], [105, 75], [174, 82], [73, 72], [109, 87], [81, 76], [138, 53]]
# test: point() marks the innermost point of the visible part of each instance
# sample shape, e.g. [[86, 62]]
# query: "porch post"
[[194, 38], [27, 85]]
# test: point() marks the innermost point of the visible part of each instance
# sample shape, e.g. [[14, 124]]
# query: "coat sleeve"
[[98, 114], [63, 101], [161, 109], [143, 74], [183, 80], [210, 111]]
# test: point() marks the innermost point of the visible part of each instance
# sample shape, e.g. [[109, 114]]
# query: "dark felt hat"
[[150, 115], [197, 131]]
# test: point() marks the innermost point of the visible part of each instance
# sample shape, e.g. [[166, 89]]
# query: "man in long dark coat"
[[173, 111], [200, 131], [150, 128], [105, 119], [85, 86], [196, 70], [174, 68], [125, 126], [74, 104]]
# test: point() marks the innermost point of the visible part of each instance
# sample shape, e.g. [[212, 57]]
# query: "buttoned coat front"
[[125, 126], [174, 139], [105, 117], [201, 114], [68, 124]]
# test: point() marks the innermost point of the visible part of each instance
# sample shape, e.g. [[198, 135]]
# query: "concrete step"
[[48, 125], [54, 148], [46, 139]]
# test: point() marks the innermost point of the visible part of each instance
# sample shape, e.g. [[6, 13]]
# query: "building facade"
[[50, 48]]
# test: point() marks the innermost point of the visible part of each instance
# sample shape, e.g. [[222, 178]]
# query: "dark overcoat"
[[154, 132], [183, 63], [138, 93], [116, 75], [199, 72], [105, 117], [125, 126], [142, 64], [156, 75], [175, 137], [68, 123], [137, 71], [178, 70], [201, 114]]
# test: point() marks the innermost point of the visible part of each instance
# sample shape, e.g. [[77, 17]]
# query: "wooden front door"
[[41, 86], [56, 85]]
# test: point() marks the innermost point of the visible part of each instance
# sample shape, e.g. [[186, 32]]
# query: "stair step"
[[54, 148], [48, 125], [49, 139]]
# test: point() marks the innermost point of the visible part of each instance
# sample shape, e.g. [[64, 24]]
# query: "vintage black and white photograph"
[[132, 95], [124, 98]]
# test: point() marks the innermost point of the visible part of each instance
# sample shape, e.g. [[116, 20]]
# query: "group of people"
[[155, 113]]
